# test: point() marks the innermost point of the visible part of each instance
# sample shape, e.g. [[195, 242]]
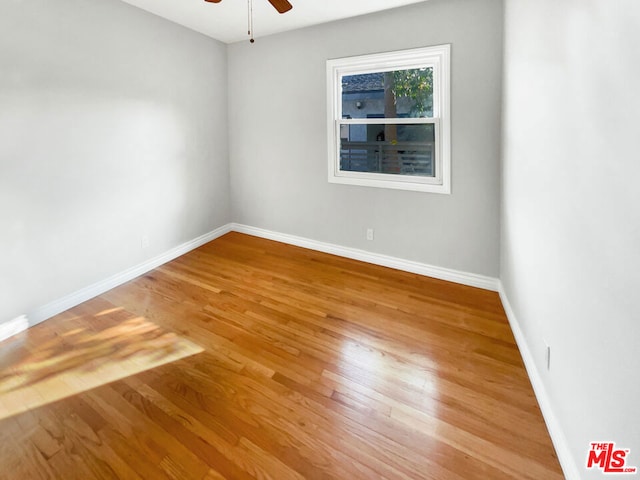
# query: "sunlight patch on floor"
[[62, 364]]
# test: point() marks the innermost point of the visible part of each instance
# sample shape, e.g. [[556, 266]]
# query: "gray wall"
[[112, 126], [278, 148], [570, 262]]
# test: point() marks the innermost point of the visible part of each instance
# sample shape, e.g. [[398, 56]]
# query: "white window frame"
[[437, 57]]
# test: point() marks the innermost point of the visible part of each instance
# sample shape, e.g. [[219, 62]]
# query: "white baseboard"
[[69, 301], [13, 327], [456, 276], [567, 462]]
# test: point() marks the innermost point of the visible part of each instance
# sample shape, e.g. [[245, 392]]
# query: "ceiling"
[[227, 21]]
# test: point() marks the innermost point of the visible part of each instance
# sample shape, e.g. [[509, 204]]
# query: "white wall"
[[570, 261], [278, 148], [112, 126]]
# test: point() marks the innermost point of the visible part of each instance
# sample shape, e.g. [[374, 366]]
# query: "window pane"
[[396, 94], [402, 149]]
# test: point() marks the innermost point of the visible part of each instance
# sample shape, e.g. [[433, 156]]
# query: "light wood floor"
[[248, 358]]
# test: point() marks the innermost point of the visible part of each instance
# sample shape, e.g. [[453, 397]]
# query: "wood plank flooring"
[[308, 366]]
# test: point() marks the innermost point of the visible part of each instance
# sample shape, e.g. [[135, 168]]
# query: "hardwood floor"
[[248, 358]]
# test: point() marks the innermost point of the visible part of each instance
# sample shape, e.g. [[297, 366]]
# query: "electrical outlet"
[[144, 241], [547, 353], [369, 233]]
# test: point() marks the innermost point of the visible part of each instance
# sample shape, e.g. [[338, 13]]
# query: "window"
[[388, 120]]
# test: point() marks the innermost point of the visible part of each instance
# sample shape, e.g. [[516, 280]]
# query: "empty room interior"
[[391, 239]]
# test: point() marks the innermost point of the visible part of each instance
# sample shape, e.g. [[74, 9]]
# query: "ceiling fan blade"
[[281, 6]]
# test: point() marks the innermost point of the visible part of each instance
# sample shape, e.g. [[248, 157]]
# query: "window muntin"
[[389, 120]]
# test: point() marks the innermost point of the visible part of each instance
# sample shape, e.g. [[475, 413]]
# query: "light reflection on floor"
[[109, 348], [372, 368], [360, 357]]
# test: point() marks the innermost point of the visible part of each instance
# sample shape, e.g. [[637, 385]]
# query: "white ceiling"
[[227, 21]]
